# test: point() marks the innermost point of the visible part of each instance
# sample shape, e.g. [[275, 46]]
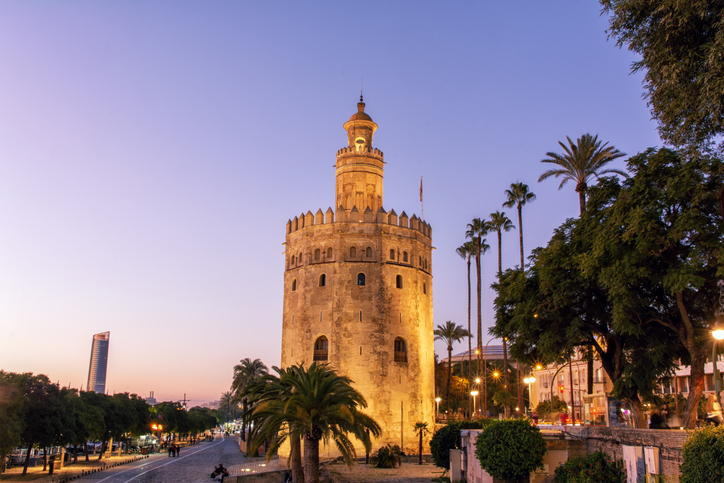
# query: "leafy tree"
[[519, 195], [475, 232], [450, 333], [703, 455], [511, 449], [444, 439], [466, 251], [681, 46], [11, 415], [593, 468], [658, 252], [549, 407], [580, 162]]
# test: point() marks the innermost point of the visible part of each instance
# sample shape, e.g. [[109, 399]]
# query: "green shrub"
[[593, 468], [476, 423], [703, 454], [510, 449], [387, 457], [444, 439]]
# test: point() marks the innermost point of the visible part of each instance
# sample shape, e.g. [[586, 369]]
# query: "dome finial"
[[361, 88]]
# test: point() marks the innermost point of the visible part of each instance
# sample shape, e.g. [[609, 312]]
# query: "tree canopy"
[[682, 55]]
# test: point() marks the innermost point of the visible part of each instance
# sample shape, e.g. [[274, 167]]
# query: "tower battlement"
[[364, 150], [355, 216]]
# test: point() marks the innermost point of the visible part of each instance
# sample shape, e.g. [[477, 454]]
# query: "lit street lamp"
[[437, 407], [529, 380], [474, 393], [718, 333]]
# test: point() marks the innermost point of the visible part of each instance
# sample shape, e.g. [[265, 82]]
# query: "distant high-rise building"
[[98, 363]]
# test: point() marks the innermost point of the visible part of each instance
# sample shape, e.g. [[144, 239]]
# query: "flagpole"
[[422, 205]]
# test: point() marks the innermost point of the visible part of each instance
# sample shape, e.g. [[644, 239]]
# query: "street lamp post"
[[477, 386], [474, 393], [485, 378], [718, 334], [529, 380], [437, 407]]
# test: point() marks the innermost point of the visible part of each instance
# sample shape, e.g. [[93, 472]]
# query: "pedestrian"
[[170, 451], [178, 450]]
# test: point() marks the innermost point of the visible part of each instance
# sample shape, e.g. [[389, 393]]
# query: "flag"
[[420, 188]]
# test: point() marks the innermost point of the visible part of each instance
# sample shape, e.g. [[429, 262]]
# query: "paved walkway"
[[194, 464]]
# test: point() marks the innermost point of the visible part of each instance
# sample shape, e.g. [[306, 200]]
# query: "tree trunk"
[[311, 460], [45, 459], [27, 459], [419, 461], [297, 468], [75, 453], [698, 358], [85, 449], [589, 364], [506, 379], [637, 410]]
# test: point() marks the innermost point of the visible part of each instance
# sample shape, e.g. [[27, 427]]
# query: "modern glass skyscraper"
[[98, 363]]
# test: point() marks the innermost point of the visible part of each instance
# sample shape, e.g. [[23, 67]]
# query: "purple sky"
[[152, 152]]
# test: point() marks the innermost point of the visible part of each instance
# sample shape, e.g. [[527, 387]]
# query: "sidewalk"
[[37, 475]]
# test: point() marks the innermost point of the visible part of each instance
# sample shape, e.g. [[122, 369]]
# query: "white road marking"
[[159, 466]]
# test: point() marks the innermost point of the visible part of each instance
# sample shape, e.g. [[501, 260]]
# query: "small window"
[[294, 285], [398, 281], [404, 257], [361, 279], [294, 259], [400, 350], [353, 252], [392, 254], [317, 255], [424, 289], [426, 264], [329, 253], [299, 259], [321, 349], [322, 280], [368, 252]]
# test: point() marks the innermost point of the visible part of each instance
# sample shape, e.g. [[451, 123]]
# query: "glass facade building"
[[98, 363]]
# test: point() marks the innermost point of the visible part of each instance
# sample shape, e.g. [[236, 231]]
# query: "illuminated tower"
[[98, 363], [358, 292]]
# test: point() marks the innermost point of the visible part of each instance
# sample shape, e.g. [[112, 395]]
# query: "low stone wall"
[[612, 440], [268, 477]]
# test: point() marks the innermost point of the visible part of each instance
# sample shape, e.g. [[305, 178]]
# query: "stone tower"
[[358, 292]]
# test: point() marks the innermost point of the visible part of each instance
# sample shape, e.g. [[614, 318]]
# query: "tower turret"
[[359, 167]]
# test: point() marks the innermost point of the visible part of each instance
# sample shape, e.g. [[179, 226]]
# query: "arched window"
[[420, 261], [294, 285], [404, 257], [352, 252], [360, 279], [426, 264], [368, 252], [317, 255], [299, 259], [294, 259], [398, 281], [400, 350], [329, 253], [392, 253], [321, 349], [322, 280], [424, 288]]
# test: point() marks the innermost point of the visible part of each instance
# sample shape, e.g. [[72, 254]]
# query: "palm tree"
[[580, 162], [519, 195], [466, 252], [312, 404], [499, 223], [247, 372], [476, 229], [450, 333]]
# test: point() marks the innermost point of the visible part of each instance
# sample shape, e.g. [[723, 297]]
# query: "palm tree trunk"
[[296, 456], [505, 373], [589, 349], [470, 347], [520, 235], [500, 254], [311, 460], [449, 375], [480, 316]]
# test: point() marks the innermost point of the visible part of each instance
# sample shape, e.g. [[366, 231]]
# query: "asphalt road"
[[194, 464]]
